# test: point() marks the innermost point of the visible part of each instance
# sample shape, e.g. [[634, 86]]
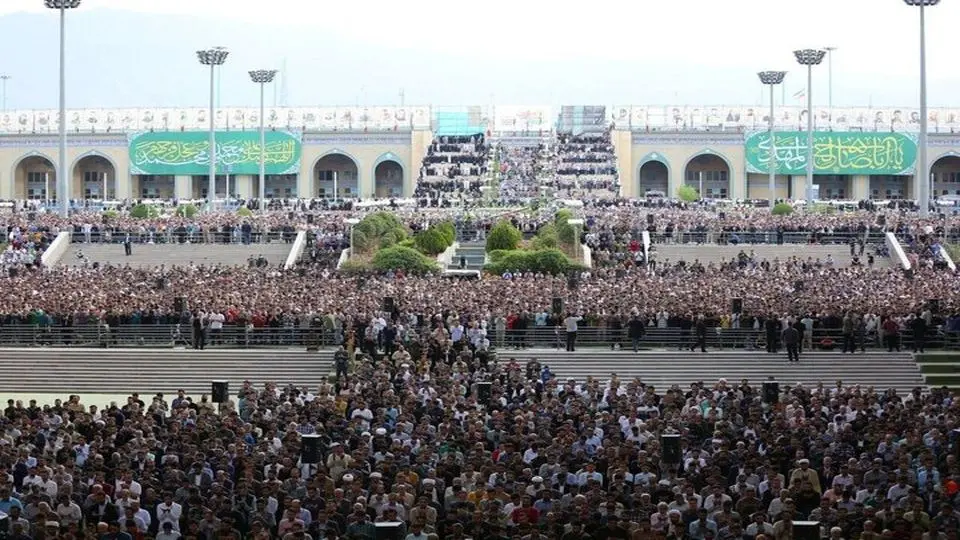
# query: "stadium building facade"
[[859, 153]]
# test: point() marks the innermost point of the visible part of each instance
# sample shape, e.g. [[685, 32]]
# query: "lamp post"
[[262, 77], [63, 178], [809, 58], [351, 222], [772, 79], [5, 78], [830, 80], [213, 57], [921, 181]]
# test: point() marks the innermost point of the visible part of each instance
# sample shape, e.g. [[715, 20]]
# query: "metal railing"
[[233, 336], [184, 236], [761, 237]]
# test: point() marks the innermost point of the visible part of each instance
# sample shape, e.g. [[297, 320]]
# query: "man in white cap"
[[806, 474]]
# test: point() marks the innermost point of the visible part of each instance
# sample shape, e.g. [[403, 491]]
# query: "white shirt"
[[571, 323], [169, 514]]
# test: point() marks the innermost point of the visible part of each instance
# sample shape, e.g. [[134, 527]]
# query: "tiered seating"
[[452, 169], [586, 166], [521, 168]]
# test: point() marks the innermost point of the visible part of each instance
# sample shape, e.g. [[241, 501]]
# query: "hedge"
[[545, 261], [782, 209], [143, 211], [187, 210], [436, 239], [243, 211], [688, 193], [403, 258], [377, 231], [503, 235]]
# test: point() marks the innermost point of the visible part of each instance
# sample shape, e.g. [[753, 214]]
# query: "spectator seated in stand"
[[452, 169]]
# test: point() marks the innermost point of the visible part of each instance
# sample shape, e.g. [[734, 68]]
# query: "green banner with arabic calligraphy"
[[834, 153], [238, 152]]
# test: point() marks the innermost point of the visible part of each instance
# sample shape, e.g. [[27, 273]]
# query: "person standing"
[[919, 327], [791, 340], [849, 325], [127, 245], [891, 334], [571, 324], [701, 330], [636, 329]]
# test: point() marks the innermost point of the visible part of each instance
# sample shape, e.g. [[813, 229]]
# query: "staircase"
[[474, 253], [664, 369], [940, 369], [715, 253], [154, 255], [148, 371]]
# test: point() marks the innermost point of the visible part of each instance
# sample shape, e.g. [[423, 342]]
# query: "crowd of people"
[[522, 167], [477, 446], [586, 166], [454, 168]]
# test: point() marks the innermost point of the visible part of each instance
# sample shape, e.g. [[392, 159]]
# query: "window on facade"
[[36, 177]]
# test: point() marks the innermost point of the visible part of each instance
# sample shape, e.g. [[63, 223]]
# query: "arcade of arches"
[[713, 171], [388, 179], [654, 176], [35, 178], [336, 176]]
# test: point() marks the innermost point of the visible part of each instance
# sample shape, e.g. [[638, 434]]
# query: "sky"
[[141, 53]]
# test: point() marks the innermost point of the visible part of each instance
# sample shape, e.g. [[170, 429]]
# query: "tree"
[[110, 214], [503, 235], [547, 237], [409, 260], [431, 241], [187, 210], [688, 193], [782, 209], [376, 231], [144, 211], [243, 211]]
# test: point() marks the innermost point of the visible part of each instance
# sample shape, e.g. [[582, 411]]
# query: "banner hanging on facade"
[[238, 152], [834, 153]]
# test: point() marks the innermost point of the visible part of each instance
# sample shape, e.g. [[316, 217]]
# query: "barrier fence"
[[184, 236], [182, 335], [763, 237]]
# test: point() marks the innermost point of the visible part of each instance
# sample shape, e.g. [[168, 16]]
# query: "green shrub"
[[547, 237], [144, 211], [408, 242], [546, 261], [243, 211], [448, 231], [379, 230], [403, 258], [782, 209], [563, 215], [110, 214], [497, 255], [186, 210], [688, 193], [503, 235], [431, 241]]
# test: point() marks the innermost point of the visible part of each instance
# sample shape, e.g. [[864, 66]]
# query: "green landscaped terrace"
[[940, 369]]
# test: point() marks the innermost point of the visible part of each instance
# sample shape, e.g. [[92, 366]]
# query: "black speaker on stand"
[[483, 392], [737, 306], [670, 449], [806, 530], [309, 449], [219, 391], [388, 304], [387, 530], [557, 305], [771, 392], [934, 305], [179, 304]]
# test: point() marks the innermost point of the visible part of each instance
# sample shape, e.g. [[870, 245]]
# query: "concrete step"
[[153, 255]]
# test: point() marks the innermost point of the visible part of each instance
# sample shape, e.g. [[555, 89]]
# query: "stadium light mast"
[[5, 78], [830, 79], [63, 178], [262, 77], [922, 188], [213, 57], [772, 79], [809, 58]]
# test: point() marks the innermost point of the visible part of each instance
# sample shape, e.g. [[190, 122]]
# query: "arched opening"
[[94, 178], [337, 177], [888, 187], [200, 186], [834, 187], [35, 178], [712, 173], [388, 180], [946, 176], [654, 176]]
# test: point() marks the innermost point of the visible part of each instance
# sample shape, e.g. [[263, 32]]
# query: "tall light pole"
[[809, 58], [262, 77], [63, 176], [772, 79], [5, 78], [213, 57], [921, 181], [830, 80]]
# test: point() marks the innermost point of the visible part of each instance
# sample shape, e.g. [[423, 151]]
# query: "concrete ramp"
[[154, 255]]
